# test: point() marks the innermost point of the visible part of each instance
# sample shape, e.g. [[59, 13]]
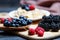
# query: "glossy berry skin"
[[17, 25], [23, 23], [40, 33], [21, 17], [17, 19], [10, 19], [2, 20], [31, 7], [13, 25], [39, 28], [19, 22], [29, 21], [24, 5], [14, 21], [7, 23], [54, 27], [27, 8], [31, 31], [25, 18]]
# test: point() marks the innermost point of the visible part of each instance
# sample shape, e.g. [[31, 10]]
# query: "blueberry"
[[7, 23], [23, 6], [19, 22], [14, 18], [17, 19], [6, 20], [17, 25], [29, 21], [13, 21], [25, 18], [13, 25], [24, 23], [21, 17], [27, 8]]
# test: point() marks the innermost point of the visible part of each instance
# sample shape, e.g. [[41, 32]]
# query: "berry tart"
[[29, 11], [15, 24]]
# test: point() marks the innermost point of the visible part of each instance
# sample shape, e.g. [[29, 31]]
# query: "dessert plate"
[[47, 13]]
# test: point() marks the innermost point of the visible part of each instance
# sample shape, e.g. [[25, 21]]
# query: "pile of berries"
[[14, 22], [39, 31], [3, 19], [28, 7], [51, 22]]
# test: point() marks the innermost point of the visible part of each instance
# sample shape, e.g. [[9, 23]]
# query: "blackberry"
[[46, 26], [54, 27], [56, 18], [47, 19]]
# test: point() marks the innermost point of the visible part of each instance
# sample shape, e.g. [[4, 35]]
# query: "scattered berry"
[[40, 33], [31, 31], [39, 28]]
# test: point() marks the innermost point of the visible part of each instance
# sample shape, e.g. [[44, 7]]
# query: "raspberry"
[[10, 19], [31, 31], [40, 33], [39, 28], [31, 7], [2, 20]]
